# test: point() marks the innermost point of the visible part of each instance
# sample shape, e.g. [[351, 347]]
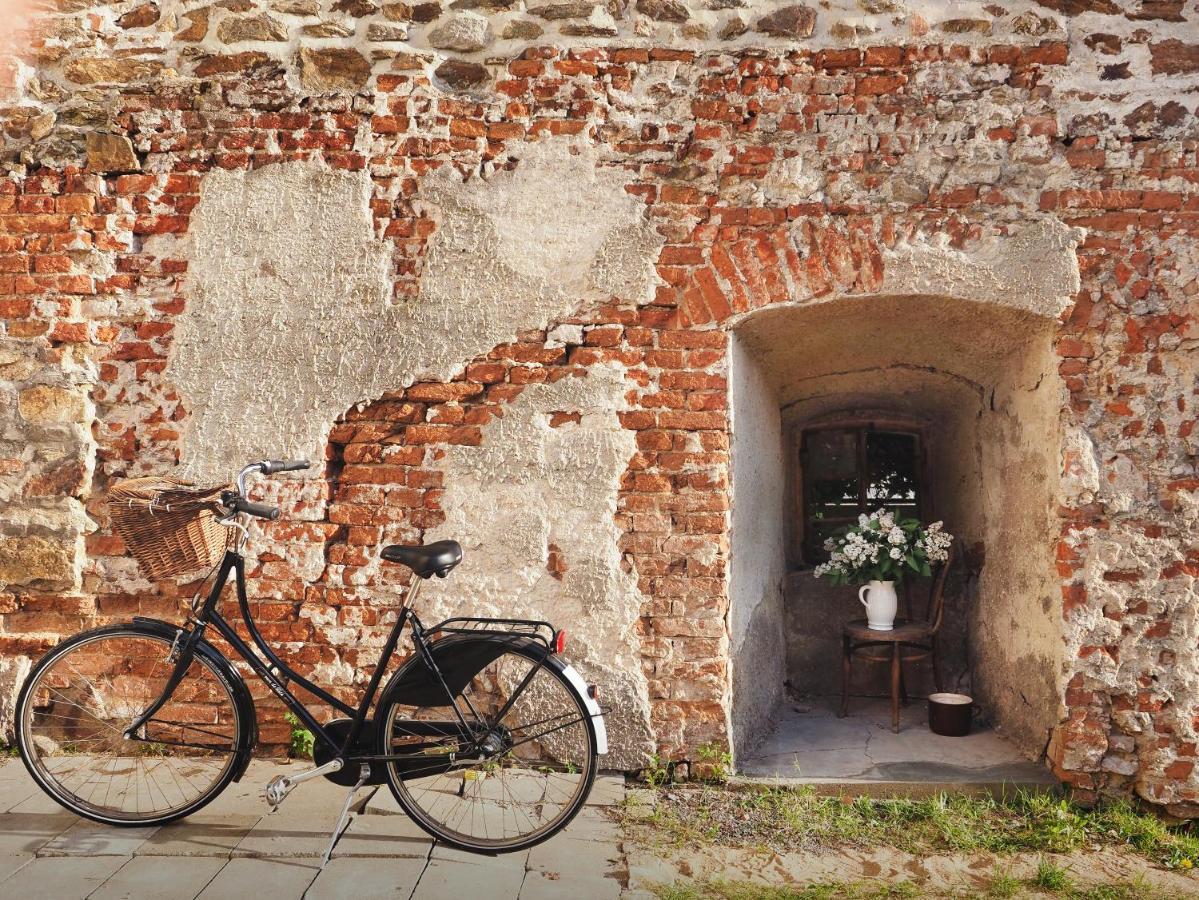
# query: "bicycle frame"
[[276, 673]]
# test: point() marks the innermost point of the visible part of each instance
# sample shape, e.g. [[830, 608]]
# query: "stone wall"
[[466, 224]]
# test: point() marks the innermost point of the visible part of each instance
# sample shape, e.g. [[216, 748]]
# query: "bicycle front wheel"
[[81, 697], [513, 777]]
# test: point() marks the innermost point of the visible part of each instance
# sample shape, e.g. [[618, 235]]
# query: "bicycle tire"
[[438, 830], [31, 756]]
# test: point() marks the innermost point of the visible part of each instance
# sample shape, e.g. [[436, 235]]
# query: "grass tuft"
[[782, 819], [1001, 885], [1004, 884], [1051, 877]]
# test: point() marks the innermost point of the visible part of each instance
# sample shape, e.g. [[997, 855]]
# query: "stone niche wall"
[[503, 248], [953, 368]]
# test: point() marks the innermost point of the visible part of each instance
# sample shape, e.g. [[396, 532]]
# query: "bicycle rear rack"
[[542, 632]]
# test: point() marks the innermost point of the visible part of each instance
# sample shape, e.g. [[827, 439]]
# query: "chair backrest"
[[936, 593]]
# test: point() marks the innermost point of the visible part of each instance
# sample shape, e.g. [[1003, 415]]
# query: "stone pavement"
[[235, 849], [809, 745]]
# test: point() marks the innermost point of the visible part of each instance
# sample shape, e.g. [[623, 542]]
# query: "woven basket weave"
[[170, 526]]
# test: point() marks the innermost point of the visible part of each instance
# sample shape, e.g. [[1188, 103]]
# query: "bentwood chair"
[[908, 641]]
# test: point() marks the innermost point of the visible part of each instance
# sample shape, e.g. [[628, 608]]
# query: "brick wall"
[[781, 166]]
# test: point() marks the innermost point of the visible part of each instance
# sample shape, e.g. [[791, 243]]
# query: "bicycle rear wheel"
[[78, 701], [534, 776]]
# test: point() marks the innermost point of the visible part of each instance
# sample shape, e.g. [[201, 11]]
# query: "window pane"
[[831, 466], [832, 480], [891, 460]]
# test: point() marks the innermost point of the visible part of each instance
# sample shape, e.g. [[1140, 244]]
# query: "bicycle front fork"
[[183, 651]]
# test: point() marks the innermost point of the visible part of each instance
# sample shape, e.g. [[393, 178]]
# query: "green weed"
[[301, 738], [1004, 884], [783, 819], [715, 763], [1051, 877]]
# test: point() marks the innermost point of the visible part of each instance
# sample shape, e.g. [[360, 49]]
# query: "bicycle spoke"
[[530, 781], [84, 698]]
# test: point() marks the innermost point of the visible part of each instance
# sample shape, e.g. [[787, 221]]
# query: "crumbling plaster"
[[1033, 268], [534, 509], [290, 319], [757, 561]]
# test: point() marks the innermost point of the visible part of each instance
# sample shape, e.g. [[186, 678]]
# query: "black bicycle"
[[486, 736]]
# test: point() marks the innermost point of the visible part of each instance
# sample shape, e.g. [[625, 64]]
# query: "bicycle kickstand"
[[344, 820]]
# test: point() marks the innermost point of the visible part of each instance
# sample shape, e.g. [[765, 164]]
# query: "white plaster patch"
[[1080, 467], [283, 329], [13, 672], [290, 320], [1034, 269], [530, 485], [520, 248]]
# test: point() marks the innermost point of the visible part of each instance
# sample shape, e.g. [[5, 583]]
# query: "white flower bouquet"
[[883, 547]]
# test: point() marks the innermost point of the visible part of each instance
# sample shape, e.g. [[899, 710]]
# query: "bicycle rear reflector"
[[560, 641]]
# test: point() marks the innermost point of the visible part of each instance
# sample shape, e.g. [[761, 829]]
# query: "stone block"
[[333, 69], [25, 560], [45, 404], [464, 32]]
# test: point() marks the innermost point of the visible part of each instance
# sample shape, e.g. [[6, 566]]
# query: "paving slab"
[[39, 803], [301, 827], [277, 879], [155, 878], [444, 879], [87, 838], [29, 832], [608, 790], [285, 837], [10, 864], [544, 886], [568, 859], [591, 824], [15, 784], [60, 878], [368, 879], [202, 834], [443, 854], [374, 834], [810, 745]]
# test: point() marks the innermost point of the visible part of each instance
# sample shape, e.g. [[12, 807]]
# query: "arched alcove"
[[978, 384]]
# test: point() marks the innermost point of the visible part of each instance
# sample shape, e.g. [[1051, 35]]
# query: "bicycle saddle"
[[431, 559]]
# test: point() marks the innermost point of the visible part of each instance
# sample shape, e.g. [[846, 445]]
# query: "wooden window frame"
[[804, 551]]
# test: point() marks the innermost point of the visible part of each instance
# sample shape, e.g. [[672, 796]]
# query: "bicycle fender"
[[589, 703], [233, 680], [460, 657]]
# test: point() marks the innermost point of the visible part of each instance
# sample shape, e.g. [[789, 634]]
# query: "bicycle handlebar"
[[249, 507], [237, 500], [271, 466]]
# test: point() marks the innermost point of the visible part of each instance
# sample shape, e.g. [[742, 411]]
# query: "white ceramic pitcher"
[[881, 604]]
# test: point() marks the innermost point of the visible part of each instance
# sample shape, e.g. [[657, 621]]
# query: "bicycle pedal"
[[276, 791]]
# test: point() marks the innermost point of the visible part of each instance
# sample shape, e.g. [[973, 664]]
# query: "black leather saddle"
[[431, 559]]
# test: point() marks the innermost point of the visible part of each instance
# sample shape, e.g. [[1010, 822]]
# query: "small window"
[[851, 470]]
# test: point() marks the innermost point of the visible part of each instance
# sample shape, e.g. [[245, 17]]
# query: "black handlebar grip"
[[260, 510], [271, 466]]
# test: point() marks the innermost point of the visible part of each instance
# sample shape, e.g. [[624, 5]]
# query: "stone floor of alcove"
[[810, 745]]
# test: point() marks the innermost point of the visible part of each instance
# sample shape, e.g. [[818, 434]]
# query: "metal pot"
[[950, 714]]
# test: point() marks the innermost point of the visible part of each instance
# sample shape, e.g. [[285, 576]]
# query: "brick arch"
[[781, 260]]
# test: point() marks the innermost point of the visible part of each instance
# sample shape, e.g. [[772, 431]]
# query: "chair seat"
[[903, 632]]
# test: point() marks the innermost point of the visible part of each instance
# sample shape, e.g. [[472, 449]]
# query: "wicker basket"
[[170, 526]]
